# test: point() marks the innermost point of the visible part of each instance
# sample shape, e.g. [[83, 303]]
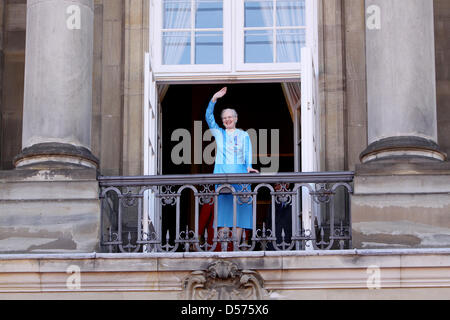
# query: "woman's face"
[[229, 120]]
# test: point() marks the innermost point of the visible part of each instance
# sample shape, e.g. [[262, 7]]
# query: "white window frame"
[[233, 68], [240, 38], [152, 163], [226, 73], [157, 51]]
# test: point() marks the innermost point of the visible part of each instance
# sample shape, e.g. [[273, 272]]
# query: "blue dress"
[[233, 155]]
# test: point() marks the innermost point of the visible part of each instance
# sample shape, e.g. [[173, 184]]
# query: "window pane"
[[208, 47], [177, 14], [258, 13], [289, 44], [209, 14], [258, 46], [290, 12], [176, 48]]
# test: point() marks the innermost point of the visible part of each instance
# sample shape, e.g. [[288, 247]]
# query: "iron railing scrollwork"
[[162, 213]]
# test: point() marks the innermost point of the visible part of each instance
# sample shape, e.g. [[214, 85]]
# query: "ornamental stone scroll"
[[223, 280]]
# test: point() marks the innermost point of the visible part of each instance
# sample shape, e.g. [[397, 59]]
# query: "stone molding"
[[404, 273]]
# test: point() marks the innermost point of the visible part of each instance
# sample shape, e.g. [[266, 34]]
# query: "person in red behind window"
[[206, 221]]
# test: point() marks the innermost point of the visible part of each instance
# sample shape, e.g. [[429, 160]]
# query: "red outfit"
[[206, 221]]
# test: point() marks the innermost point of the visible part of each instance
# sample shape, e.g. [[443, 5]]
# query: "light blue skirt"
[[244, 211]]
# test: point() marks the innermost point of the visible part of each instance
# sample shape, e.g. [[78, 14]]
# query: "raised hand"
[[219, 94]]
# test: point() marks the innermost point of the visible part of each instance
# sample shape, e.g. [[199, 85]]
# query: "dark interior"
[[259, 106]]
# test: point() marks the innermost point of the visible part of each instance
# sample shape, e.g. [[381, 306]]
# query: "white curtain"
[[177, 15], [290, 13], [256, 38], [264, 5], [266, 13]]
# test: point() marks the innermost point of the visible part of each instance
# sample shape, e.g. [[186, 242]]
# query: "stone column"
[[401, 85], [58, 84], [400, 197]]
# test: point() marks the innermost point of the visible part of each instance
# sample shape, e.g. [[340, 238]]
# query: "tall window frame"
[[229, 72]]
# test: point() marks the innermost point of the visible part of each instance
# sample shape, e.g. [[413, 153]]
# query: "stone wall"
[[355, 82], [49, 211], [401, 205], [332, 94], [136, 42], [120, 40], [107, 102]]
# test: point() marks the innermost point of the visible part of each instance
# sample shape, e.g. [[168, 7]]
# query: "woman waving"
[[234, 155]]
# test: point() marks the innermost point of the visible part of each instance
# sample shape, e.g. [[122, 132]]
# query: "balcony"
[[153, 246], [179, 213]]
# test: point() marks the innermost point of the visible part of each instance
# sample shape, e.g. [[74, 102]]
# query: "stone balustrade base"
[[52, 210]]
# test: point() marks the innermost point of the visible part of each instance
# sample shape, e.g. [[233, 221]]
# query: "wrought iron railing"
[[166, 213]]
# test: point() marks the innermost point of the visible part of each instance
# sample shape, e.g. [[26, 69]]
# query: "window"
[[228, 36], [193, 35], [274, 30], [192, 32]]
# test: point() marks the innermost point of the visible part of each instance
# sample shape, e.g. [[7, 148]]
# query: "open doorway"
[[264, 108]]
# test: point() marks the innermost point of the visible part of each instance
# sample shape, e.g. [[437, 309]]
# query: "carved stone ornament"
[[222, 280]]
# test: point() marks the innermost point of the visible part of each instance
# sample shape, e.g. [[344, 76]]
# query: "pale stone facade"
[[349, 275], [398, 201], [118, 78]]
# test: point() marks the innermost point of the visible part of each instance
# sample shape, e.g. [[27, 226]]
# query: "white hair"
[[235, 115]]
